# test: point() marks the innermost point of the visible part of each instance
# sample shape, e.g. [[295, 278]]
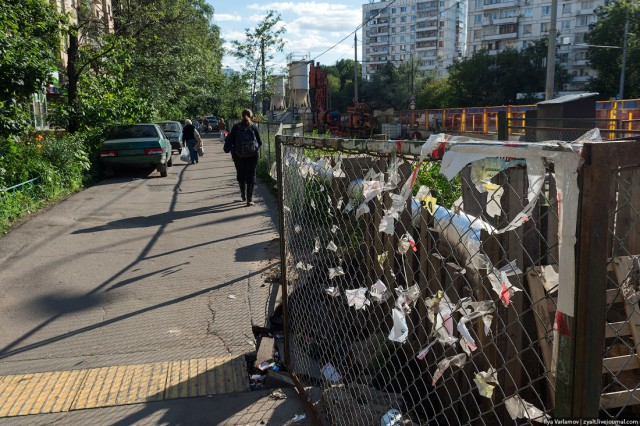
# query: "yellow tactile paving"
[[60, 391]]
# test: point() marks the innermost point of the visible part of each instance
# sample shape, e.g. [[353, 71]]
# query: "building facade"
[[495, 25], [430, 32], [438, 32]]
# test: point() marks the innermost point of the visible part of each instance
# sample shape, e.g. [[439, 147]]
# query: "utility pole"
[[551, 52], [264, 100], [624, 57], [355, 68]]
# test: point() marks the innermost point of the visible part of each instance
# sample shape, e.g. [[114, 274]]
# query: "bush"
[[59, 163]]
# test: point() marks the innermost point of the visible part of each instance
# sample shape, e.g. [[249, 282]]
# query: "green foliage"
[[392, 86], [58, 162], [485, 79], [29, 37], [341, 89], [609, 31], [446, 192]]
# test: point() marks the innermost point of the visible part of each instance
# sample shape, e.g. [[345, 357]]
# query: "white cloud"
[[225, 17]]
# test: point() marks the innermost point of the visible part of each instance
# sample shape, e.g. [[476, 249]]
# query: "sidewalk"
[[140, 270]]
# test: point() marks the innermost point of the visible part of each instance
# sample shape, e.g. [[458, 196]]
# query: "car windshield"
[[137, 131], [170, 127]]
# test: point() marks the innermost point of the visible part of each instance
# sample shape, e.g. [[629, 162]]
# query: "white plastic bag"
[[184, 155]]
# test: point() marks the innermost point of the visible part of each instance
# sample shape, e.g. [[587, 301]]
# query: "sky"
[[312, 27]]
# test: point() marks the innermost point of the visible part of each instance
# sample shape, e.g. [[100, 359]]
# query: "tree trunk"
[[72, 77]]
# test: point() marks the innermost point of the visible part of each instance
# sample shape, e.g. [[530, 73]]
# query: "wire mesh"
[[417, 309], [621, 367]]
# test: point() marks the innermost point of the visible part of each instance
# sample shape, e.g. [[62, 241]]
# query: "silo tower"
[[299, 84]]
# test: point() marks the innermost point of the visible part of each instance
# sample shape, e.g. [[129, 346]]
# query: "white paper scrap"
[[362, 209], [378, 291], [304, 266], [316, 246], [400, 331], [357, 298], [371, 189], [334, 228], [386, 225], [331, 246], [518, 408], [457, 360], [332, 291], [335, 272], [297, 229]]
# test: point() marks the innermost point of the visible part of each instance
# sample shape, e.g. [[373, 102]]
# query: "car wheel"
[[162, 168], [170, 160]]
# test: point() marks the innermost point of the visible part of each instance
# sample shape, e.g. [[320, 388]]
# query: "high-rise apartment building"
[[495, 25], [441, 31], [432, 32]]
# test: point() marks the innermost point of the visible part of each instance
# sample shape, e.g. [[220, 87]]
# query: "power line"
[[353, 32]]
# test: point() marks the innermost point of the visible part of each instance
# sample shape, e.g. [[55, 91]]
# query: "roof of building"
[[569, 98]]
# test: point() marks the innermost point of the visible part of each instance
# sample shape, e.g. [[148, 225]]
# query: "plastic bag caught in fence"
[[518, 408], [457, 360]]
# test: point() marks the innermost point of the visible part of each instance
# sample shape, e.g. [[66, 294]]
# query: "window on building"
[[564, 57], [402, 38], [403, 19], [412, 38], [393, 30], [544, 27], [403, 9], [586, 5], [546, 10], [393, 10], [393, 20], [566, 8], [585, 20], [477, 19], [412, 28], [403, 29], [441, 43], [525, 43], [526, 29], [479, 4], [413, 7], [528, 12], [565, 25], [413, 18], [508, 29], [579, 37], [477, 34], [511, 13]]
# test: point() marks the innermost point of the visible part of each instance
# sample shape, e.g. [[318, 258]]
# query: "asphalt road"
[[139, 269]]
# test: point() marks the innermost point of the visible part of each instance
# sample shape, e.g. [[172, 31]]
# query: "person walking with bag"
[[243, 142], [222, 128], [190, 137]]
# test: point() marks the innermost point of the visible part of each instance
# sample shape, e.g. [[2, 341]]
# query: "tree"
[[608, 30], [485, 79], [166, 53], [341, 88], [392, 86], [29, 38], [259, 47]]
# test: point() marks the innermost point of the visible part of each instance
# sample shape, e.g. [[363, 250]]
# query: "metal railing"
[[447, 292], [29, 183]]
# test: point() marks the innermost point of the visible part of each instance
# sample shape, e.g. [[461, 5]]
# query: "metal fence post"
[[503, 126]]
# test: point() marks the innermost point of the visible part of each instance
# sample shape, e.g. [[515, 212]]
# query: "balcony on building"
[[509, 20], [584, 12], [498, 4]]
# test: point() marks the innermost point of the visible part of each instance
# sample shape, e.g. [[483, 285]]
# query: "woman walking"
[[243, 142], [190, 138], [222, 127]]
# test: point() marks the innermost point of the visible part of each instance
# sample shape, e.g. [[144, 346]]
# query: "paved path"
[[140, 271]]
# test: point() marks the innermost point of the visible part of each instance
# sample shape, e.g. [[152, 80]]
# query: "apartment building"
[[431, 32], [495, 25]]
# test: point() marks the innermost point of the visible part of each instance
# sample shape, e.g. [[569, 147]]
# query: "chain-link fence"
[[424, 292]]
